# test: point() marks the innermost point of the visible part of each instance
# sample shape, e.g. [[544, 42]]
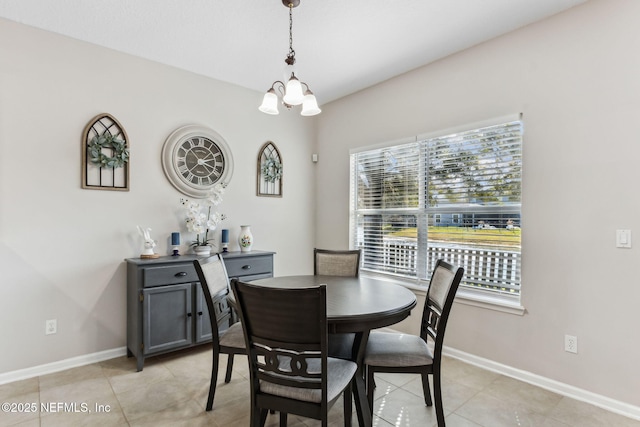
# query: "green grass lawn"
[[498, 236]]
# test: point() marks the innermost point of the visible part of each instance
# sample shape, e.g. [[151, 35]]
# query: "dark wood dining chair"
[[227, 337], [404, 353], [328, 262], [286, 337], [346, 263]]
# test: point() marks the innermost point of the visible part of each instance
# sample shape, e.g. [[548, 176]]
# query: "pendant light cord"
[[291, 57]]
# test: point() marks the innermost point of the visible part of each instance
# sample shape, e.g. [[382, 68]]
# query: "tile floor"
[[172, 391]]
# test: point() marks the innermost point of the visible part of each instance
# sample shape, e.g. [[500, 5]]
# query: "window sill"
[[476, 299], [464, 296]]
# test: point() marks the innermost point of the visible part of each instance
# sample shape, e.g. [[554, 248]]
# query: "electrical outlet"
[[571, 344], [51, 327]]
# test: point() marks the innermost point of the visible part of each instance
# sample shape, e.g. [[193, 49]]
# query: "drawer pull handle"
[[188, 314], [246, 267], [181, 274], [199, 313]]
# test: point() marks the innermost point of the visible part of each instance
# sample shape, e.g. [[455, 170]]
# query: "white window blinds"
[[455, 197]]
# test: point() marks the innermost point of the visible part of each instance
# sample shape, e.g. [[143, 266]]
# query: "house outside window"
[[455, 196]]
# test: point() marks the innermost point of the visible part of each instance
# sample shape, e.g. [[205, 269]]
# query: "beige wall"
[[576, 79], [62, 247]]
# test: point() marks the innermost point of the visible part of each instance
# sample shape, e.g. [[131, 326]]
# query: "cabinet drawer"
[[169, 275], [239, 267], [255, 277]]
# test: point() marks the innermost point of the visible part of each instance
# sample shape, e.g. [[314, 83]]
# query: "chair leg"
[[263, 417], [368, 382], [227, 376], [425, 389], [348, 403], [437, 395], [214, 379], [370, 386], [283, 419]]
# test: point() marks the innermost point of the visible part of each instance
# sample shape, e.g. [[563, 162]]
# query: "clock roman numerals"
[[200, 161], [194, 158]]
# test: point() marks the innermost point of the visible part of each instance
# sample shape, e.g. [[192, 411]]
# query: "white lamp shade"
[[269, 103], [310, 105], [293, 93]]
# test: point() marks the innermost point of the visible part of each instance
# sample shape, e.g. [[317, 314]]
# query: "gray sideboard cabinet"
[[166, 309]]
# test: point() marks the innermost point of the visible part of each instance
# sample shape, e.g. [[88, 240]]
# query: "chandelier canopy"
[[291, 92]]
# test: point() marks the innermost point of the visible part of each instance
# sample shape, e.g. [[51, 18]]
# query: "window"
[[455, 196]]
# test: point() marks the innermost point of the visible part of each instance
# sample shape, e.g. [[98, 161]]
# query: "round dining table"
[[355, 305]]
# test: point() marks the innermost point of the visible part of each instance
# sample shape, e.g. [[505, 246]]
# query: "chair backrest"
[[215, 286], [440, 295], [336, 263], [286, 336]]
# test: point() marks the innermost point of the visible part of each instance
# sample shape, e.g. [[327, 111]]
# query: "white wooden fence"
[[489, 268]]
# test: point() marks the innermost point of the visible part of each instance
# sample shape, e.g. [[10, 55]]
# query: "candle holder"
[[175, 242], [225, 240]]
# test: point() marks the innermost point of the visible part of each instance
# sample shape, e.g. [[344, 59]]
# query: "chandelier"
[[291, 93]]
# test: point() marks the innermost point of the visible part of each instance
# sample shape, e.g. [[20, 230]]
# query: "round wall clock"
[[194, 158]]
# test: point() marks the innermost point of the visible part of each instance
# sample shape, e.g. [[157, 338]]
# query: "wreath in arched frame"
[[97, 156], [269, 171], [105, 154]]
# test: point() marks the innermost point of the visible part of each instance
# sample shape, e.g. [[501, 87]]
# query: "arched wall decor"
[[269, 171], [105, 155]]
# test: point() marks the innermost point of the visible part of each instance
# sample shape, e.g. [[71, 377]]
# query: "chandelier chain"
[[292, 53]]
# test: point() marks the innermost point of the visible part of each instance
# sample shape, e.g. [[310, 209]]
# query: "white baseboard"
[[61, 365], [598, 400]]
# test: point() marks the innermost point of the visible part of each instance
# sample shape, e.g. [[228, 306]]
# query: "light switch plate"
[[623, 238]]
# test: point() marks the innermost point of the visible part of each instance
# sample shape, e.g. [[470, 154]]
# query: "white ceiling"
[[342, 46]]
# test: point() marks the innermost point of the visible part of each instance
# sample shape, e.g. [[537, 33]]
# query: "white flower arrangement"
[[201, 218]]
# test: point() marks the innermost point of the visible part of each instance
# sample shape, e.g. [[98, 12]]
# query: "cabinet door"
[[203, 322], [222, 311], [167, 317]]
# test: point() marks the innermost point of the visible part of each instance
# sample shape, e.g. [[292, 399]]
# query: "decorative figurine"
[[149, 243]]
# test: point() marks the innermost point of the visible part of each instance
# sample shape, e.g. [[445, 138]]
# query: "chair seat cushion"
[[396, 349], [233, 337], [339, 373]]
